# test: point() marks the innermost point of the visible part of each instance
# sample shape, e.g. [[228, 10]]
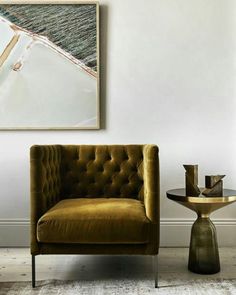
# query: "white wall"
[[169, 78]]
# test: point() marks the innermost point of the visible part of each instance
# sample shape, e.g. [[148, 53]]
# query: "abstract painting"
[[49, 66]]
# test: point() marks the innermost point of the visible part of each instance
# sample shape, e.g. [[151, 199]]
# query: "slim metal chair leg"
[[33, 271], [155, 269]]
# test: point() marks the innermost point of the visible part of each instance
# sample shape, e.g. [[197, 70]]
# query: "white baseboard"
[[175, 232], [14, 232]]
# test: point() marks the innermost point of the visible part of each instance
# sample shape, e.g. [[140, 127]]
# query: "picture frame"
[[69, 95]]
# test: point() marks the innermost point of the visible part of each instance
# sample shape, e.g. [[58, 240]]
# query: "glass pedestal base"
[[203, 251]]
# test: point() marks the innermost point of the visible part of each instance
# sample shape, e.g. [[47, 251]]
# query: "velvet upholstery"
[[95, 221], [101, 199]]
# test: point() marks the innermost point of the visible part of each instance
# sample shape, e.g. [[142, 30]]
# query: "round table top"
[[202, 205], [179, 195]]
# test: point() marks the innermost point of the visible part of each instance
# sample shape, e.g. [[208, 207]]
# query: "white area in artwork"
[[6, 34], [41, 86]]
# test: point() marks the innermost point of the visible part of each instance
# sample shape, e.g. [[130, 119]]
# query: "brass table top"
[[202, 205]]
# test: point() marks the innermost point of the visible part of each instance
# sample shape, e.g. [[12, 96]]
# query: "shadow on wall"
[[103, 63]]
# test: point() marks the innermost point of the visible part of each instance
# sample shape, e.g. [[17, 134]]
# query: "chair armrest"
[[45, 183], [151, 183]]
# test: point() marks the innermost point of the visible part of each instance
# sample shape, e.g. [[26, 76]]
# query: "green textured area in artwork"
[[71, 27]]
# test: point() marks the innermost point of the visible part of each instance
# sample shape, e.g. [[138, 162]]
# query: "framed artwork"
[[49, 65]]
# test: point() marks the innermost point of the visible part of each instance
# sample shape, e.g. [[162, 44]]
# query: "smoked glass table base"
[[203, 251]]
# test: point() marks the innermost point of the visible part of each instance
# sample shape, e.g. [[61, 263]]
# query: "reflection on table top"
[[179, 195]]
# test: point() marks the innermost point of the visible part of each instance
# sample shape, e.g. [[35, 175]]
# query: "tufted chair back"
[[94, 171]]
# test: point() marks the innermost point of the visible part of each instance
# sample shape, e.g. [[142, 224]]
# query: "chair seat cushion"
[[96, 221]]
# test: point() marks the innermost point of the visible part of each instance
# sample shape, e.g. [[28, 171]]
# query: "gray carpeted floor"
[[127, 287]]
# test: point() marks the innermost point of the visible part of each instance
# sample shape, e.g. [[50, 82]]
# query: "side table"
[[203, 250]]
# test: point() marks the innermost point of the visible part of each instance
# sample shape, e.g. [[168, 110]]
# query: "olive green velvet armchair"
[[94, 199]]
